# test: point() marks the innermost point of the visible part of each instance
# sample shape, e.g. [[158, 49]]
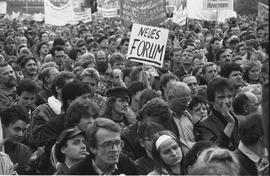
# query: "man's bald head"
[[179, 89]]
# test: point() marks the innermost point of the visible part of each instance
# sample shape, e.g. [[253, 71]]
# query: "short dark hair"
[[26, 85], [197, 100], [59, 42], [78, 109], [206, 65], [218, 53], [104, 123], [251, 129], [56, 48], [147, 95], [60, 81], [116, 57], [157, 108], [73, 90], [26, 59], [165, 78], [212, 41], [218, 84], [148, 129], [123, 40], [136, 87], [228, 68], [40, 45], [12, 114]]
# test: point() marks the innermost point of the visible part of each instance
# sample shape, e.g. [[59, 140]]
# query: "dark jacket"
[[247, 166], [20, 154], [132, 147], [144, 165], [85, 167], [212, 129], [40, 116]]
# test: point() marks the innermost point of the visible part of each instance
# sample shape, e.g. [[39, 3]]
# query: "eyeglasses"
[[109, 146]]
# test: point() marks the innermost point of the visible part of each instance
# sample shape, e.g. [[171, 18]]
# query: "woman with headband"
[[167, 154]]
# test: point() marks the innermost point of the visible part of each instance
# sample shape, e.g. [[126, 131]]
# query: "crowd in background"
[[72, 103]]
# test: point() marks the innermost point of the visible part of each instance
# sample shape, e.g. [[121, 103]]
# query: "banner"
[[195, 11], [3, 7], [147, 44], [148, 12], [58, 16], [108, 13], [217, 4], [84, 17], [263, 11]]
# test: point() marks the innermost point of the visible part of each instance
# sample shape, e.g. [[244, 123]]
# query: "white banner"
[[147, 44], [108, 13], [3, 7], [263, 11], [85, 16], [58, 16], [217, 4], [195, 11]]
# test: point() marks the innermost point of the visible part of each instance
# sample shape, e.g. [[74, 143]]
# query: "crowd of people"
[[71, 103]]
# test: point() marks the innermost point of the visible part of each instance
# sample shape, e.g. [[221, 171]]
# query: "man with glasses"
[[105, 145], [179, 96]]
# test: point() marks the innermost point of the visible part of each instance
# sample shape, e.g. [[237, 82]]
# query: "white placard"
[[147, 44], [85, 16], [3, 7], [58, 16], [217, 4]]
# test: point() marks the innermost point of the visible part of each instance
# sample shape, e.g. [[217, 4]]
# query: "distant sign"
[[218, 4], [148, 12], [147, 44], [85, 16], [3, 7], [263, 11], [58, 16]]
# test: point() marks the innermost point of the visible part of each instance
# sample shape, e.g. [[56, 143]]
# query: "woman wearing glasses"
[[167, 154]]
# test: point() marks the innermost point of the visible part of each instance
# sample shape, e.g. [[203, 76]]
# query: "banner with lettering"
[[147, 44], [195, 11], [108, 13], [85, 16], [148, 12], [263, 11], [217, 4], [58, 16]]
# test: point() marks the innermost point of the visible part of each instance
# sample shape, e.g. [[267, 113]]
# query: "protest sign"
[[58, 16], [218, 4], [85, 16], [147, 44], [148, 12], [195, 10], [108, 13], [263, 11], [3, 7]]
